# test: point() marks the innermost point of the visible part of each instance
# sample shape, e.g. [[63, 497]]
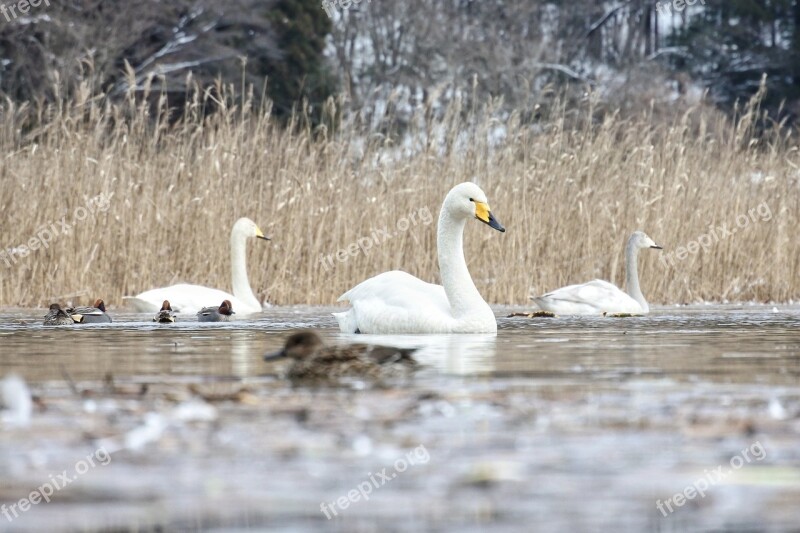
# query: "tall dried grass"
[[568, 196]]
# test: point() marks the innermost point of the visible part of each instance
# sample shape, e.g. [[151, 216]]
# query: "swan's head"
[[467, 200], [244, 227], [639, 239], [298, 345]]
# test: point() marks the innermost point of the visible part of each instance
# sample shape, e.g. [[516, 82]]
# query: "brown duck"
[[312, 360], [166, 315], [58, 317]]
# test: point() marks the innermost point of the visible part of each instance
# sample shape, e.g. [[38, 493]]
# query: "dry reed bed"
[[568, 197]]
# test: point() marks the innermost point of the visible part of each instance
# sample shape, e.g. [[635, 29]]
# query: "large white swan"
[[185, 298], [397, 302], [598, 296]]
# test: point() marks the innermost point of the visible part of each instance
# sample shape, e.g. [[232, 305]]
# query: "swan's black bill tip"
[[493, 223]]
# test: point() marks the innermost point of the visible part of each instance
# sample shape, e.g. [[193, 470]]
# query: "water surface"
[[557, 423]]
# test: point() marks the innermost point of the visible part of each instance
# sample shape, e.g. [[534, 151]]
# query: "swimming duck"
[[58, 317], [223, 313], [90, 315], [165, 315], [312, 360]]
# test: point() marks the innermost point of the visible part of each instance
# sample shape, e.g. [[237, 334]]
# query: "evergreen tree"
[[731, 44]]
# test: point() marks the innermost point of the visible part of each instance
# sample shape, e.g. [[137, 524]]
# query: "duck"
[[90, 315], [600, 297], [223, 313], [398, 303], [187, 298], [313, 360], [166, 315], [58, 317]]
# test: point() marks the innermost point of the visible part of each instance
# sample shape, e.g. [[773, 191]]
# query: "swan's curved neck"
[[239, 281], [632, 275], [458, 285]]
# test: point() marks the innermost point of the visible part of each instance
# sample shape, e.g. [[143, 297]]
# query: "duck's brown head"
[[100, 304], [298, 345], [165, 306], [55, 308], [226, 308]]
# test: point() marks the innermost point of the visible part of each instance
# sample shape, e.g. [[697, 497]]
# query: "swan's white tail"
[[540, 302], [347, 321], [139, 305]]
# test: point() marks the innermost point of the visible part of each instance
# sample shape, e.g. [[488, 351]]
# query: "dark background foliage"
[[273, 45], [387, 57]]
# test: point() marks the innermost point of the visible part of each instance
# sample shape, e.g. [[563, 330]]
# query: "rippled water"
[[555, 423]]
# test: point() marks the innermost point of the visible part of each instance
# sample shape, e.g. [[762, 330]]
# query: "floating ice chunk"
[[16, 399], [776, 410], [90, 406], [151, 431], [194, 411], [362, 445]]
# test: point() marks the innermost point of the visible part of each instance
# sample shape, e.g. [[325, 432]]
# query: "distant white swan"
[[598, 297], [397, 302], [185, 298]]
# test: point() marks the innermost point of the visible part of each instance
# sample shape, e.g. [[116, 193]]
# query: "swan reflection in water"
[[464, 354]]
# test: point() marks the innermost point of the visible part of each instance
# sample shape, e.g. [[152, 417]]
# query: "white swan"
[[397, 302], [598, 296], [186, 298]]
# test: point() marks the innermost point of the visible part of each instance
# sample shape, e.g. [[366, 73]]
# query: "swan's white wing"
[[184, 299], [400, 289], [592, 298], [395, 302]]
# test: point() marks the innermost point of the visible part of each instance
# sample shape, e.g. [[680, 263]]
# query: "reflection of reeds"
[[569, 198]]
